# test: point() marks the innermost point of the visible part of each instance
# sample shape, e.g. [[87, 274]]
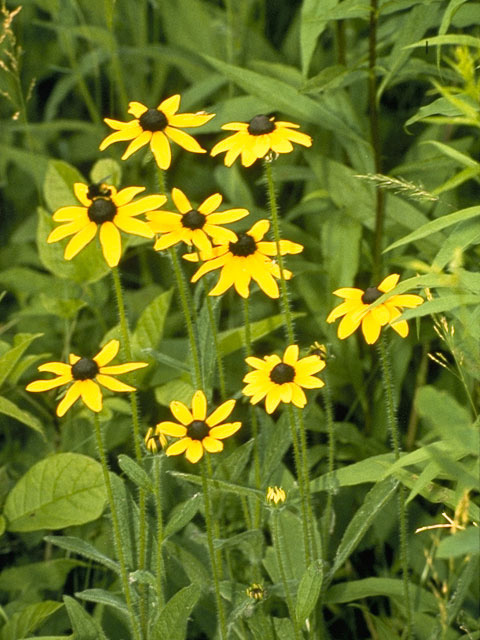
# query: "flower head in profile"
[[154, 441], [86, 374], [275, 496], [356, 310], [197, 432], [200, 226], [282, 379], [157, 127], [248, 258], [257, 138], [102, 206]]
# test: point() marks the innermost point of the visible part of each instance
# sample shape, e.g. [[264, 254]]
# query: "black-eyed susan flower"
[[246, 259], [197, 432], [154, 441], [356, 310], [86, 374], [200, 226], [275, 496], [157, 127], [111, 210], [256, 592], [255, 139], [281, 379]]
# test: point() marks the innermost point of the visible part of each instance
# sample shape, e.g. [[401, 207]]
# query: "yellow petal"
[[299, 398], [371, 328], [211, 204], [172, 429], [80, 240], [67, 214], [91, 395], [136, 109], [225, 430], [181, 412], [117, 369], [348, 324], [291, 355], [81, 193], [181, 201], [211, 445], [194, 452], [405, 300], [134, 226], [124, 196], [107, 353], [128, 133], [190, 119], [401, 327], [160, 147], [68, 229], [136, 144], [273, 398], [112, 383], [184, 139], [259, 229], [168, 240], [350, 293], [170, 105], [179, 447], [148, 203], [388, 283], [221, 413], [72, 395], [199, 406], [298, 137], [111, 243], [59, 368], [47, 385]]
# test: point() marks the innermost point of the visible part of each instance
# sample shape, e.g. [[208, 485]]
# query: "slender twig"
[[157, 465]]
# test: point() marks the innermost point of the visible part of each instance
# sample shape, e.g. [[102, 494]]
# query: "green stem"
[[157, 462], [290, 330], [187, 305], [136, 430], [253, 416], [331, 488], [116, 531], [375, 138], [402, 507], [211, 550], [213, 328], [280, 553]]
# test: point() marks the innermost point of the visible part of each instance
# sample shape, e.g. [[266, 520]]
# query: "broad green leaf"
[[107, 170], [28, 619], [10, 409], [83, 624], [309, 590], [442, 410], [283, 629], [100, 596], [182, 514], [374, 502], [60, 491], [437, 225], [293, 552], [84, 549], [10, 358], [311, 28], [58, 187], [128, 518], [186, 561], [149, 329], [88, 266], [173, 618], [48, 575], [175, 389], [135, 472], [462, 543]]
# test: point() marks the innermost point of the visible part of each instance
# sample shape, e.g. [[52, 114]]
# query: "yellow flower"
[[255, 139], [281, 380], [157, 127], [246, 259], [104, 207], [198, 226], [86, 374], [198, 433], [153, 440], [276, 495], [255, 591], [356, 310]]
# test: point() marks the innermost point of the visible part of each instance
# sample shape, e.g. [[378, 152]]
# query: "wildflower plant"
[[269, 473]]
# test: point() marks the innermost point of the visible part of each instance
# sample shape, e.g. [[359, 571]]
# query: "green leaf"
[[84, 549], [100, 596], [135, 472], [10, 358], [28, 619], [463, 589], [10, 409], [150, 325], [178, 389], [186, 561], [60, 491], [83, 625], [375, 501], [58, 186], [106, 170], [311, 28], [441, 304], [454, 154], [462, 543], [455, 38], [88, 266], [309, 590], [49, 575], [173, 618], [182, 514], [220, 485]]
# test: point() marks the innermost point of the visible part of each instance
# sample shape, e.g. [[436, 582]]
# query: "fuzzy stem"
[[157, 464], [187, 304], [211, 550], [290, 330], [116, 531], [218, 354], [375, 138], [402, 507], [327, 397], [280, 553]]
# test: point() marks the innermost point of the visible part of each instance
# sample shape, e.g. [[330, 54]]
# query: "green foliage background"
[[66, 64]]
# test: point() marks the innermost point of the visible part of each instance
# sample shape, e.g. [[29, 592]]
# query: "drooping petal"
[[91, 395], [266, 282], [127, 133], [65, 230], [194, 452], [298, 137], [210, 265], [348, 324], [136, 144], [80, 240], [168, 240], [342, 309], [112, 383], [299, 398], [199, 406], [286, 392], [181, 412], [111, 242], [371, 328], [72, 395], [273, 398], [211, 445], [160, 147], [134, 226], [221, 413], [184, 139], [179, 447], [401, 327]]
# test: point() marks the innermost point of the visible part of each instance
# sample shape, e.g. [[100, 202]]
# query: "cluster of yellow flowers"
[[241, 258]]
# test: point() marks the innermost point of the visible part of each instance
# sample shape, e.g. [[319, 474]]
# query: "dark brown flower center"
[[371, 294], [282, 373], [193, 219], [244, 246], [84, 369], [98, 190], [260, 125], [102, 210], [198, 430], [153, 120]]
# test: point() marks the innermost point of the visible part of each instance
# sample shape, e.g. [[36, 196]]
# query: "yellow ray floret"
[[157, 127], [257, 138], [197, 432], [86, 374], [282, 379], [356, 310]]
